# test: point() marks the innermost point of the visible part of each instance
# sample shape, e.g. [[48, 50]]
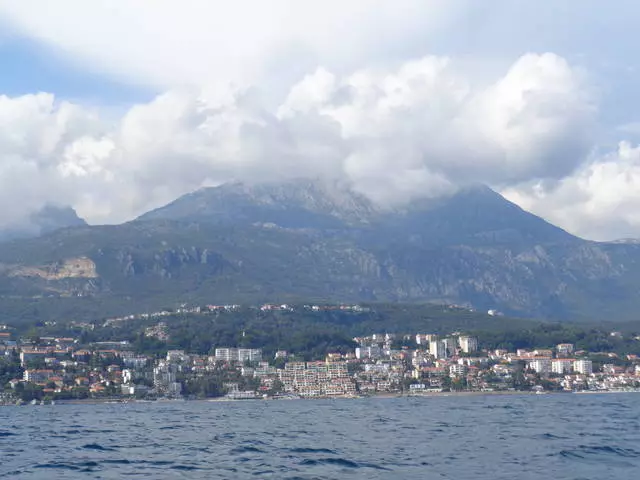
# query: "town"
[[53, 369]]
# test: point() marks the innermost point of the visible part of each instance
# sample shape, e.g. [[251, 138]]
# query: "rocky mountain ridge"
[[304, 240]]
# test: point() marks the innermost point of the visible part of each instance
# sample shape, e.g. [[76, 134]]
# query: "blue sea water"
[[454, 437]]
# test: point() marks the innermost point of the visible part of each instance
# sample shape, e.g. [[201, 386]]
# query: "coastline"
[[384, 395]]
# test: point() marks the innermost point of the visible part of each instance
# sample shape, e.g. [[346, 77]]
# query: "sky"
[[115, 107]]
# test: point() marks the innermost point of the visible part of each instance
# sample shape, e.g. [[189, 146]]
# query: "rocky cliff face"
[[302, 240]]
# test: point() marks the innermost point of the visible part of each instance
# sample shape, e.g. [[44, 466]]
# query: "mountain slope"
[[46, 220], [295, 204], [309, 241]]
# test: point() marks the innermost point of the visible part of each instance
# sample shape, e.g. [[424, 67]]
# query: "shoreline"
[[386, 395]]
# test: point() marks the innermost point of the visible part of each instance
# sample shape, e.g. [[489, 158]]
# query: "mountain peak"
[[291, 203], [45, 220]]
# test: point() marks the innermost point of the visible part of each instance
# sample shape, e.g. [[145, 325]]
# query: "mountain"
[[315, 241], [46, 220], [294, 204]]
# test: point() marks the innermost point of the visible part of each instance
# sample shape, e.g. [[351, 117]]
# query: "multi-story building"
[[424, 339], [37, 376], [561, 366], [177, 356], [438, 349], [457, 370], [28, 356], [239, 354], [373, 352], [468, 344], [564, 349], [540, 365], [164, 377], [450, 345], [585, 367]]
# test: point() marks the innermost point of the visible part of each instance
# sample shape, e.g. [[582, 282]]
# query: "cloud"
[[600, 201], [170, 44], [419, 130], [403, 99]]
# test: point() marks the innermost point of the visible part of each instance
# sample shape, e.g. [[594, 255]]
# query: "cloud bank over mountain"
[[383, 96]]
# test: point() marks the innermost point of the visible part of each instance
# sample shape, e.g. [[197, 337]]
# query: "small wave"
[[341, 462], [245, 449], [4, 433], [97, 446], [585, 451], [80, 466], [171, 427], [551, 436], [184, 467], [313, 450], [123, 461]]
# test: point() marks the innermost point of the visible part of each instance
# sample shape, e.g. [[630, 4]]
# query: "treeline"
[[314, 333], [548, 335]]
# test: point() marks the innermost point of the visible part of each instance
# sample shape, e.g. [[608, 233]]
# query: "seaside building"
[[561, 366], [38, 376], [457, 370], [540, 365], [585, 367], [468, 344], [438, 349]]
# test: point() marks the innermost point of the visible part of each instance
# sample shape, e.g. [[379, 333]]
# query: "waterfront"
[[531, 436]]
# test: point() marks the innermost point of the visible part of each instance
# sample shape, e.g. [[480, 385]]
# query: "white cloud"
[[264, 89], [169, 44], [600, 201], [418, 130]]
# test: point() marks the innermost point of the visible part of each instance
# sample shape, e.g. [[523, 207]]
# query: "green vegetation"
[[314, 333]]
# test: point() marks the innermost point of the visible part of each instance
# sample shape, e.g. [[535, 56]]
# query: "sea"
[[564, 436]]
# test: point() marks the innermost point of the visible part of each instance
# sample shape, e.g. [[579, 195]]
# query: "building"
[[164, 378], [438, 349], [540, 365], [239, 354], [373, 352], [585, 367], [561, 366], [468, 344], [564, 349], [177, 356], [37, 376], [425, 339], [457, 370], [32, 356], [249, 354]]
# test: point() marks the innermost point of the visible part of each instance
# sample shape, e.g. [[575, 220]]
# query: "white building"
[[450, 345], [239, 354], [177, 356], [561, 366], [564, 349], [426, 338], [373, 352], [249, 354], [457, 370], [468, 344], [585, 367], [540, 365], [438, 349]]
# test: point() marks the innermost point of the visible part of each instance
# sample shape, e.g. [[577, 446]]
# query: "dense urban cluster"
[[49, 369]]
